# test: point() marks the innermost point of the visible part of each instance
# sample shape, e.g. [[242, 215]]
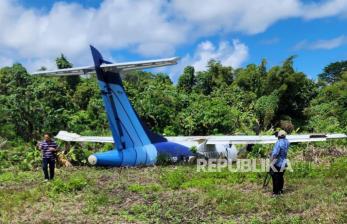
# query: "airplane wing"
[[251, 139], [190, 141], [119, 67], [72, 137]]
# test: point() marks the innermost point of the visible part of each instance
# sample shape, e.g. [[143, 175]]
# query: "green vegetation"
[[314, 193], [220, 100]]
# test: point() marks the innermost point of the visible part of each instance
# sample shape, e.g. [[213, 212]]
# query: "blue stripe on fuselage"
[[172, 149]]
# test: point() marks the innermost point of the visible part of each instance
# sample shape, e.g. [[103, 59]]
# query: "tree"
[[33, 104], [71, 81], [207, 115], [327, 112], [251, 79], [139, 80], [215, 77], [221, 75], [295, 90], [333, 72], [187, 80], [85, 90], [204, 82], [265, 108], [218, 100], [262, 67], [62, 62], [16, 100], [156, 105], [163, 78]]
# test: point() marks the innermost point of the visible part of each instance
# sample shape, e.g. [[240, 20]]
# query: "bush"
[[76, 183], [174, 178], [338, 168], [22, 155], [78, 155]]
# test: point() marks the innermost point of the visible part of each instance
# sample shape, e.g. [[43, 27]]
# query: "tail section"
[[134, 141], [135, 144]]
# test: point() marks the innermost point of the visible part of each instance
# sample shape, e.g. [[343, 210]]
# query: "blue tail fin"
[[127, 129], [135, 143]]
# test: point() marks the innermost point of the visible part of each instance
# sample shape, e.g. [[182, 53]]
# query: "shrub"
[[78, 155], [174, 178], [338, 168], [74, 184]]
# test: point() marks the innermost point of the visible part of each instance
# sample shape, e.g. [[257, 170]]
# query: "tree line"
[[219, 100]]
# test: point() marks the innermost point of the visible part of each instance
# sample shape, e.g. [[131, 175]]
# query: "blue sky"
[[235, 32]]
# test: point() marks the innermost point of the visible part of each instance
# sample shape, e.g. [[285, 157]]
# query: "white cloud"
[[326, 44], [148, 27], [236, 15], [329, 44], [210, 16], [229, 54], [140, 26], [155, 49], [35, 64], [327, 9]]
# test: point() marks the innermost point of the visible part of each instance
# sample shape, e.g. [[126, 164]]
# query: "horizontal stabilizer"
[[72, 137], [118, 67]]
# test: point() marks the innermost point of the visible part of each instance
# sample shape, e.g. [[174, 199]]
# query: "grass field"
[[174, 194]]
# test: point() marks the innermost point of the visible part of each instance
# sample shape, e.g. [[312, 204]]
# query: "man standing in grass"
[[48, 148], [278, 162]]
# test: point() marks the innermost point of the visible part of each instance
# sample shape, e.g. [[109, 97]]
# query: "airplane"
[[135, 144]]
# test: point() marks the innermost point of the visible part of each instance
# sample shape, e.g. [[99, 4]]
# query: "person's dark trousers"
[[51, 163], [277, 180]]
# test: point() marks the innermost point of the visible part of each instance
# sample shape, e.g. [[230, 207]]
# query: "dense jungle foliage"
[[219, 100]]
